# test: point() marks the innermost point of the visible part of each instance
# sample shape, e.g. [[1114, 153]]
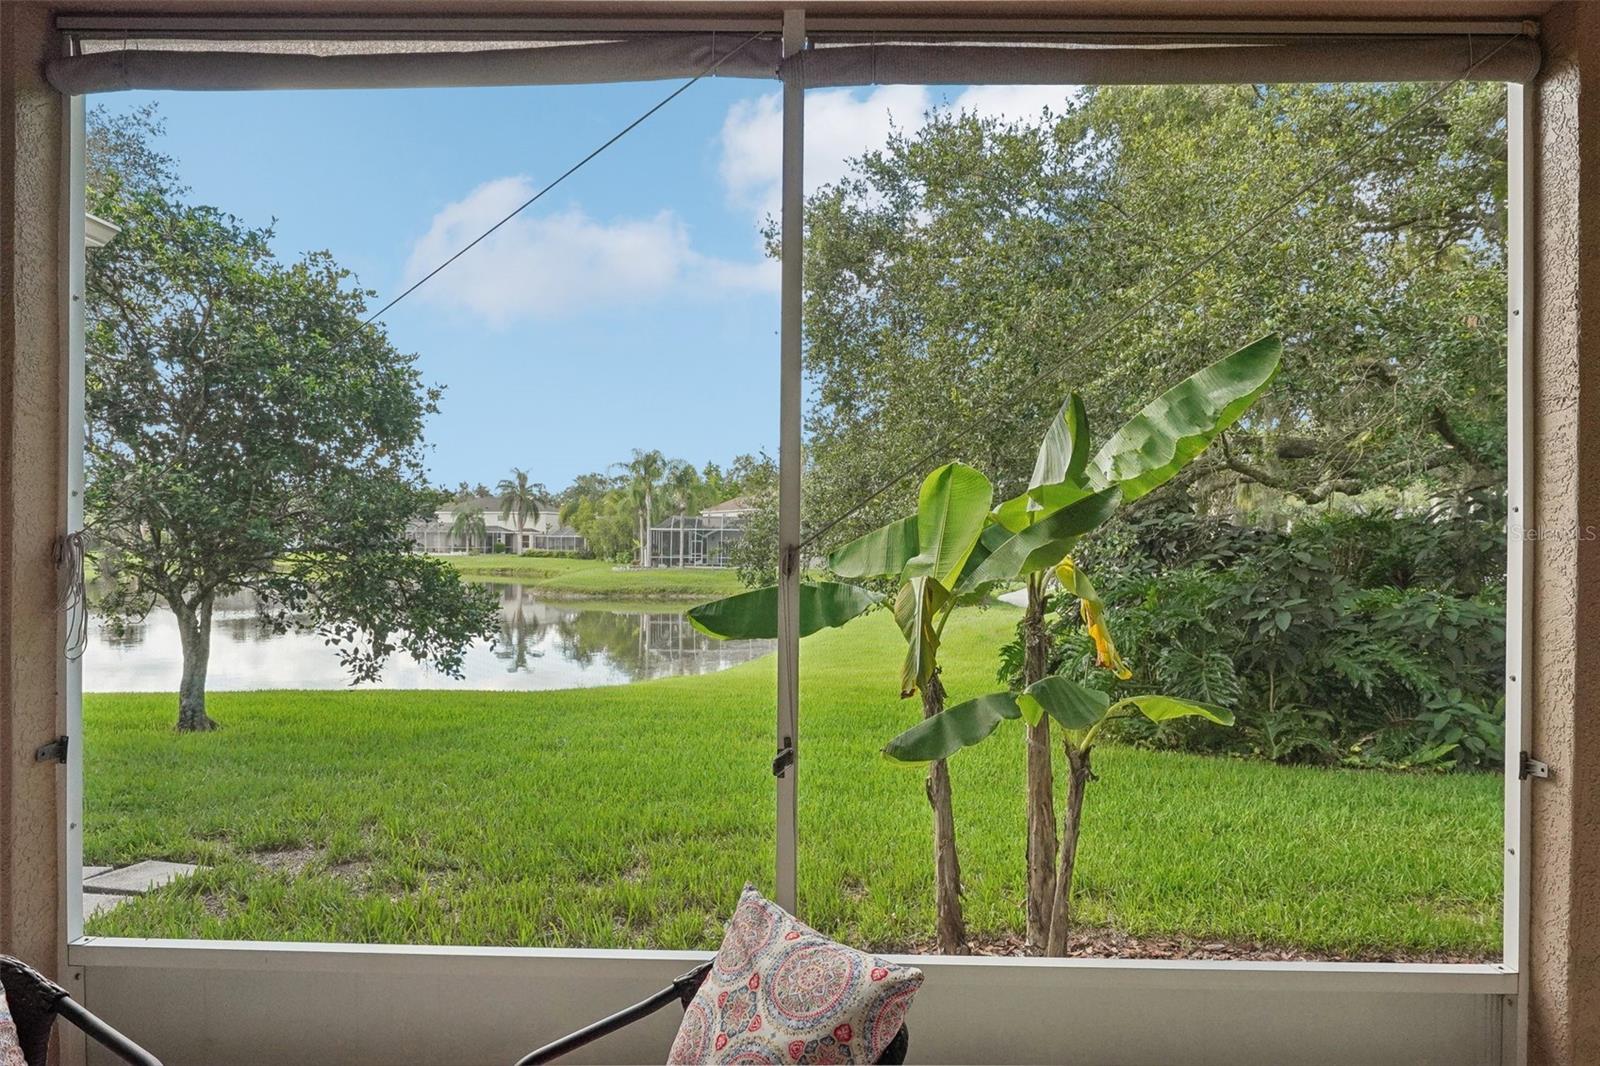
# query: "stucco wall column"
[[1564, 949], [32, 489]]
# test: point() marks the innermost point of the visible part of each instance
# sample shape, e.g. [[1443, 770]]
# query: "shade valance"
[[189, 64]]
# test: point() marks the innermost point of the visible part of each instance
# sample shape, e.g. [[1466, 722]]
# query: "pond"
[[542, 644]]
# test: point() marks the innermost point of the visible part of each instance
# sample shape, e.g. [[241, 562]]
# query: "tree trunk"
[[952, 930], [1041, 777], [649, 516], [1079, 775], [194, 633]]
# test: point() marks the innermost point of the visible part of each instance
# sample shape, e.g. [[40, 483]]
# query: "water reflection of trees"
[[637, 644], [633, 644], [235, 617]]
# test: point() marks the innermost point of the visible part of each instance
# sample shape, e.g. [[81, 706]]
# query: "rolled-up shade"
[[379, 65], [1514, 59], [202, 65]]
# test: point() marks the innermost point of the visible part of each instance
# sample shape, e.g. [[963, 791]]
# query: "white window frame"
[[117, 968]]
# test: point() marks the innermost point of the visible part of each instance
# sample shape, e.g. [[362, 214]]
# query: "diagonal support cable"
[[563, 176]]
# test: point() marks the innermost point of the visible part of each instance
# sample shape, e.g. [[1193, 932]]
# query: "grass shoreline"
[[595, 579], [629, 817]]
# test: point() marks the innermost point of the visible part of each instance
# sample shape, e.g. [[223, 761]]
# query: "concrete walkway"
[[106, 886]]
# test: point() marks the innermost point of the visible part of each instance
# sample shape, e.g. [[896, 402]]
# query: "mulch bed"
[[1110, 944]]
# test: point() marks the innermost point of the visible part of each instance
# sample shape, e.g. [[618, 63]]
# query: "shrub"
[[1352, 639]]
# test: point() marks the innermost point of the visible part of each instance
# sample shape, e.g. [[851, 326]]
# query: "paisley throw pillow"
[[780, 992]]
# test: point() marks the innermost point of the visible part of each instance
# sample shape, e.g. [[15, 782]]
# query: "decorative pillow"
[[781, 992], [10, 1047]]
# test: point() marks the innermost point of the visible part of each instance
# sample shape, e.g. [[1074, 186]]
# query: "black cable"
[[530, 201]]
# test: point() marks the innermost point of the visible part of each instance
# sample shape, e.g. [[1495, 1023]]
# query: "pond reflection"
[[542, 644]]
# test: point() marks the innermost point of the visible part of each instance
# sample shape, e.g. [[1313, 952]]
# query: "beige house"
[[438, 535]]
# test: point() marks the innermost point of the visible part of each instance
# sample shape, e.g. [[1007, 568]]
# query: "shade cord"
[[74, 599]]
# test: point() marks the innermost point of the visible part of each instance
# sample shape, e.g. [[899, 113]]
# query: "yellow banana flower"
[[1093, 611]]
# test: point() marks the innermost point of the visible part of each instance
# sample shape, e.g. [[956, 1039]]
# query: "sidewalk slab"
[[139, 878], [95, 902]]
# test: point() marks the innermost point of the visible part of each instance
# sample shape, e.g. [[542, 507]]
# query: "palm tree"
[[519, 499], [682, 486], [644, 474], [469, 527]]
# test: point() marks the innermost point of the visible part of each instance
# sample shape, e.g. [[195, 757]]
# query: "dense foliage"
[[962, 278], [1355, 638], [967, 274]]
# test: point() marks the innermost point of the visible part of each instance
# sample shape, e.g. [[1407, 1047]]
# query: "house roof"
[[491, 505], [737, 504]]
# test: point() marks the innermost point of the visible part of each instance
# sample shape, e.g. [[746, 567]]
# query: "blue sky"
[[631, 307]]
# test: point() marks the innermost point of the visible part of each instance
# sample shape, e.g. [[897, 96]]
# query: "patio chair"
[[36, 1002], [681, 989]]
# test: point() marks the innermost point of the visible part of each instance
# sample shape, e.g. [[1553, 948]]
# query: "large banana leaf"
[[1160, 440], [1166, 708], [959, 727], [1076, 707], [1018, 513], [1046, 542], [952, 509], [1064, 452], [754, 615], [882, 553], [916, 609], [970, 588]]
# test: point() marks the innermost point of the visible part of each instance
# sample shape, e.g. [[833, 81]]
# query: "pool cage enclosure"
[[696, 540], [1213, 1012]]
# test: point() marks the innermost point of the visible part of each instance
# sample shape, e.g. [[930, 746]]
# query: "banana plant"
[[1081, 712], [955, 549], [1069, 494], [932, 554]]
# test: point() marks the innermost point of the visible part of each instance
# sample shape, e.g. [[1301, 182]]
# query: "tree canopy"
[[247, 432], [966, 275]]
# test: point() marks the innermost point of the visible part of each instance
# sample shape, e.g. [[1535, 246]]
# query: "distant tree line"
[[613, 509]]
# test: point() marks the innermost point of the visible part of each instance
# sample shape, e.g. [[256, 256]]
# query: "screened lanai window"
[[568, 762], [1303, 758]]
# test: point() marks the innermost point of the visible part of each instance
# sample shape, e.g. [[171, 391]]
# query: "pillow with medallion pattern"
[[10, 1049], [781, 992]]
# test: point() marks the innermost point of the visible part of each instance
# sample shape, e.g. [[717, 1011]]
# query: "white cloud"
[[553, 265], [839, 125], [843, 123]]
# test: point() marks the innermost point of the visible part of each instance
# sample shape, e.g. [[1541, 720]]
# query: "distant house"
[[437, 535], [704, 539]]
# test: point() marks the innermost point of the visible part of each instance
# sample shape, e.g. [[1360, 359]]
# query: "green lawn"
[[595, 578], [630, 816]]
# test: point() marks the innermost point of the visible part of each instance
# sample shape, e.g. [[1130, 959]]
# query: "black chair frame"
[[682, 989], [36, 1002]]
